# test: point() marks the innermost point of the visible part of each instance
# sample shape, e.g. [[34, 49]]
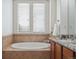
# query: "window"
[[23, 17], [31, 17], [39, 17]]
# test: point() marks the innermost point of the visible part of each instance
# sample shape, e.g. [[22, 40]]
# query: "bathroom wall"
[[58, 9], [6, 23], [56, 20], [6, 17], [64, 17], [72, 17], [53, 13], [67, 17]]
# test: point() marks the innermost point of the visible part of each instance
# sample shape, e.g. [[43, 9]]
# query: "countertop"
[[70, 44]]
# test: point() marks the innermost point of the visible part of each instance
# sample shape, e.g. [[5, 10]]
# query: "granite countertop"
[[71, 44]]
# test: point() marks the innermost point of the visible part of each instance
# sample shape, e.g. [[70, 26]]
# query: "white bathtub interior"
[[30, 45]]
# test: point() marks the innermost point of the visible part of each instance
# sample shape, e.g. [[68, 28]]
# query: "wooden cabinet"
[[68, 54], [52, 51], [58, 52]]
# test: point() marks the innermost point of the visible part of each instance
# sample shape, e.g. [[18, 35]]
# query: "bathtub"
[[30, 45]]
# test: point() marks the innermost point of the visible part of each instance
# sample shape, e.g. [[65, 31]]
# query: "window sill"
[[32, 33]]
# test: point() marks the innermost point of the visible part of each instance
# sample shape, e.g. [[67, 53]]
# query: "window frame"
[[15, 20]]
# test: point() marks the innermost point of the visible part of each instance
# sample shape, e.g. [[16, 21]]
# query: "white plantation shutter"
[[39, 17], [23, 11], [30, 17]]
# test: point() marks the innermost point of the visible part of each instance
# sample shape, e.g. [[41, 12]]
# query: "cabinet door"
[[52, 50], [58, 51], [68, 54]]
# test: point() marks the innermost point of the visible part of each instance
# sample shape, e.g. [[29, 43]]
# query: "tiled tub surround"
[[11, 53], [26, 54], [70, 44], [30, 37], [7, 41]]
